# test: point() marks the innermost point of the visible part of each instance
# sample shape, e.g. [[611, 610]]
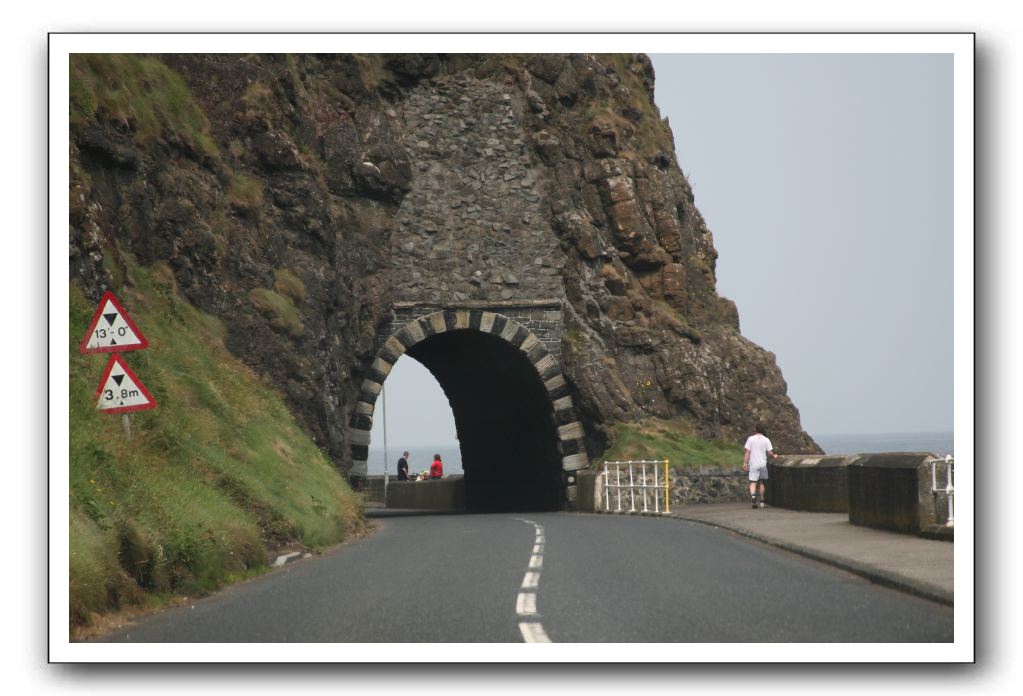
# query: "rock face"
[[299, 198]]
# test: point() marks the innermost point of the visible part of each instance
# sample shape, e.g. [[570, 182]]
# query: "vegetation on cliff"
[[654, 439], [141, 94], [214, 480]]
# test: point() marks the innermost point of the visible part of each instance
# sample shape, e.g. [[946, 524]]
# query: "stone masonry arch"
[[408, 335]]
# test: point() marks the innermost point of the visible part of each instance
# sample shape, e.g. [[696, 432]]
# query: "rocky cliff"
[[299, 197]]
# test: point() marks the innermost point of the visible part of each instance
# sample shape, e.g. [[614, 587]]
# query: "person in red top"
[[436, 469]]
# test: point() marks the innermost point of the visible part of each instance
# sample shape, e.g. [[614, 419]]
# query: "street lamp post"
[[383, 401]]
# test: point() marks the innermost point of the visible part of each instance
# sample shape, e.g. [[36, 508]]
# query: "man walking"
[[403, 467], [754, 460]]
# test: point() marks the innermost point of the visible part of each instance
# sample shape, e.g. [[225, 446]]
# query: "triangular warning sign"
[[121, 391], [116, 333]]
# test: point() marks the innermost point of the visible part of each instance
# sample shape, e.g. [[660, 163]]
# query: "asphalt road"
[[461, 578]]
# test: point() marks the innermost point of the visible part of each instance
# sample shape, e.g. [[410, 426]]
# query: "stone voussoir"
[[571, 431]]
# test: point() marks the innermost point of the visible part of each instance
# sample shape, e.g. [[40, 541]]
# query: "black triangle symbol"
[[118, 379], [110, 318], [113, 342]]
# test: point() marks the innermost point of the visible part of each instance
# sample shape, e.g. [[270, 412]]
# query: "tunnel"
[[504, 420]]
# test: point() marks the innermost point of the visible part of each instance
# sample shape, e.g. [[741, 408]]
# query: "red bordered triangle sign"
[[121, 391], [111, 329]]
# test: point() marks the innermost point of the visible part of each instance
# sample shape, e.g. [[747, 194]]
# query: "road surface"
[[555, 577]]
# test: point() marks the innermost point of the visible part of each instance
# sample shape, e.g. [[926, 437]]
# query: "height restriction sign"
[[111, 329], [121, 391]]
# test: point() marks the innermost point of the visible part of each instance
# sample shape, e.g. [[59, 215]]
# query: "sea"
[[939, 443], [420, 458]]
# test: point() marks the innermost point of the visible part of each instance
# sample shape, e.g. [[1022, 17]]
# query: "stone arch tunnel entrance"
[[518, 431]]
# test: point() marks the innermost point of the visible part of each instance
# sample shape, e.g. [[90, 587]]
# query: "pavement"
[[917, 565]]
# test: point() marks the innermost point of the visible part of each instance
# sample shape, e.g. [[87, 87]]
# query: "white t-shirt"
[[758, 446]]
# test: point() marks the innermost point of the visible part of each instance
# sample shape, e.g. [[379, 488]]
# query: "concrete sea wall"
[[446, 494], [893, 491], [813, 483], [890, 491]]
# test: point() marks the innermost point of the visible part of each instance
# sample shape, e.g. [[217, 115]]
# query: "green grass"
[[642, 138], [656, 439], [245, 194], [142, 93], [289, 285], [278, 309], [212, 476]]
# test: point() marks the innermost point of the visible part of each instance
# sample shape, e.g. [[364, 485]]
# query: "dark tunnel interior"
[[504, 421]]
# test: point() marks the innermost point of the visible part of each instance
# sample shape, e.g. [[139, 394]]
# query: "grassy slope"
[[140, 91], [212, 477], [655, 439]]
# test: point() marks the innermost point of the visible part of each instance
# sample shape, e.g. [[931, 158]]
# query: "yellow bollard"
[[667, 490]]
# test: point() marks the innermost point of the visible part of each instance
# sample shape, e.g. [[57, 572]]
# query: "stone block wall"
[[812, 483], [473, 227], [687, 487], [541, 317], [893, 491], [709, 485], [443, 495], [372, 489]]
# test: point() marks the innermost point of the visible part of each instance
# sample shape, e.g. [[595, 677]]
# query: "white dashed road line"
[[531, 581], [525, 604], [533, 632]]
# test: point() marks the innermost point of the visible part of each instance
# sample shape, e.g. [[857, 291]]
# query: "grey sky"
[[417, 410], [827, 183]]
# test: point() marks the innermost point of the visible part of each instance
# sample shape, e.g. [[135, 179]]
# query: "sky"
[[826, 181]]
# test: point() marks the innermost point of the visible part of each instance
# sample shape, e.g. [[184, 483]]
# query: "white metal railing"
[[948, 489], [642, 477]]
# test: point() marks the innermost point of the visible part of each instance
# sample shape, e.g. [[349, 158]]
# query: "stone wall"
[[893, 491], [443, 495], [472, 228], [372, 489], [887, 490], [811, 483], [709, 485], [541, 317], [687, 487]]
